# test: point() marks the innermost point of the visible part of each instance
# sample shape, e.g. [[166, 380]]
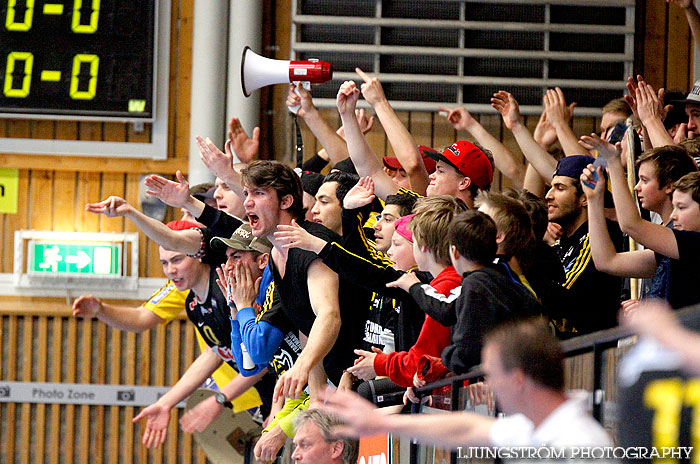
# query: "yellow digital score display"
[[77, 57]]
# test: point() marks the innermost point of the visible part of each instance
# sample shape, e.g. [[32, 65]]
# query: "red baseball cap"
[[393, 163], [468, 159]]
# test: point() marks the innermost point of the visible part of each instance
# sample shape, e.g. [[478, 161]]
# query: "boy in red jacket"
[[431, 252]]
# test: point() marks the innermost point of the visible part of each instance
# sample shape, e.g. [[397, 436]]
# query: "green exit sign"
[[83, 259]]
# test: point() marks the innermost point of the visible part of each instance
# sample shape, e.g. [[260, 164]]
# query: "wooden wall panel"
[[58, 348], [667, 47]]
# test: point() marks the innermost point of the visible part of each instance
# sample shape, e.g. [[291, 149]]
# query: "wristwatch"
[[221, 399]]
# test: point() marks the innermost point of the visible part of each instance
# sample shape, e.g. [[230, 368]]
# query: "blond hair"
[[430, 224]]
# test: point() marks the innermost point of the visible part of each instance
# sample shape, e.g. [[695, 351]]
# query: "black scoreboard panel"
[[78, 58]]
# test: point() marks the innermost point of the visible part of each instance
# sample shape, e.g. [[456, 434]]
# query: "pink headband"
[[401, 226]]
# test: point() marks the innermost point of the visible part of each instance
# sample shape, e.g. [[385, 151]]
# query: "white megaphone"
[[258, 71]]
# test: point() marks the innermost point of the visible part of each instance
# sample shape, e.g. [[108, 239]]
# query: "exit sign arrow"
[[80, 260]]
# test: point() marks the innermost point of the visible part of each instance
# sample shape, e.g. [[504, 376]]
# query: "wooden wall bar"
[[58, 348]]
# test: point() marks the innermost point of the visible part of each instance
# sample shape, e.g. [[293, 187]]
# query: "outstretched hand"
[[545, 134], [87, 306], [171, 193], [459, 118], [245, 148], [557, 110], [507, 105], [405, 282], [366, 124], [218, 162], [594, 142], [157, 419], [201, 416], [295, 236], [650, 104], [360, 195], [111, 207], [651, 318], [364, 366], [371, 89]]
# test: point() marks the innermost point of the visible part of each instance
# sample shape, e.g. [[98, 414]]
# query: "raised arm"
[[244, 147], [405, 147], [333, 143], [653, 236], [362, 155], [559, 114], [175, 194], [128, 318], [185, 241], [651, 113], [506, 104], [606, 258], [502, 157], [220, 163], [323, 294]]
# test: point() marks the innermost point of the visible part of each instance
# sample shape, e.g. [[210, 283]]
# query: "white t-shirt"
[[570, 425]]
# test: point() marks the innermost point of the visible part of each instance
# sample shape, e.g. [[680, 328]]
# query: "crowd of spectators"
[[389, 273]]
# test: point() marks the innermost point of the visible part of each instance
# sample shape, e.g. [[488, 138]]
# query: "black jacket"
[[486, 298]]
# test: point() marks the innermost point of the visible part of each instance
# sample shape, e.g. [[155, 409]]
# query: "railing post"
[[598, 391], [454, 406], [413, 454]]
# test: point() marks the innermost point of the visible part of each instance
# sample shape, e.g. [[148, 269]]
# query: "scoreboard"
[[78, 58]]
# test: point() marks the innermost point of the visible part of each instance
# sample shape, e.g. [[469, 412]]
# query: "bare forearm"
[[318, 380], [605, 256], [568, 140], [164, 236], [194, 206], [503, 158], [543, 163], [240, 384], [534, 183], [233, 179], [449, 430], [691, 13], [404, 146], [322, 337], [658, 136], [196, 374], [335, 146], [627, 214], [364, 158], [602, 248], [128, 318]]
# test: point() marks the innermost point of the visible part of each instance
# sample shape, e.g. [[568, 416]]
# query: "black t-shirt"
[[211, 318], [684, 273], [219, 223], [290, 347], [589, 299], [294, 295]]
